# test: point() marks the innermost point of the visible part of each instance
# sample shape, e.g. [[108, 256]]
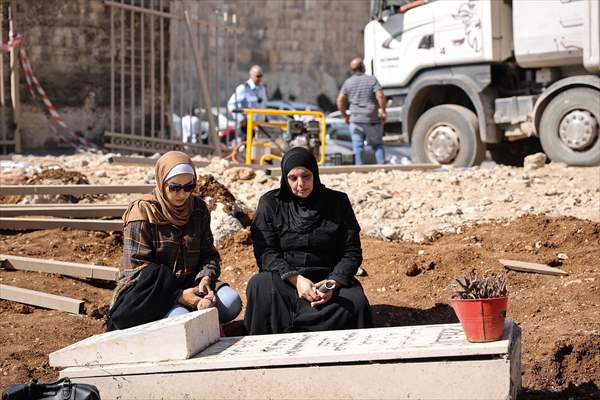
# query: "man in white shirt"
[[250, 94]]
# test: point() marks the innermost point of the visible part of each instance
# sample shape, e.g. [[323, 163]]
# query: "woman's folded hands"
[[307, 290]]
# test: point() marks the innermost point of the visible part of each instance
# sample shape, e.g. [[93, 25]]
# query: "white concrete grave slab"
[[175, 338], [416, 362]]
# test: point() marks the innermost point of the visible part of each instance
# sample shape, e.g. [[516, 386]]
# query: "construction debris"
[[52, 223], [532, 267], [41, 299], [76, 270]]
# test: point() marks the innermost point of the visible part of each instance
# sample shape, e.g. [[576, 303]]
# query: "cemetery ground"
[[549, 215], [407, 284]]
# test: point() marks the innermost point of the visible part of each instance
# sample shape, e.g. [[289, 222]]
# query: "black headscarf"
[[303, 213]]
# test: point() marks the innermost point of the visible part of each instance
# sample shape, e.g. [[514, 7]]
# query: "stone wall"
[[304, 46], [68, 46]]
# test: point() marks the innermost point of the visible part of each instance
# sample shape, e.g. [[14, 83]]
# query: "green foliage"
[[470, 286]]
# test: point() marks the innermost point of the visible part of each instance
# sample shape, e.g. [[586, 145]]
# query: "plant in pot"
[[480, 305]]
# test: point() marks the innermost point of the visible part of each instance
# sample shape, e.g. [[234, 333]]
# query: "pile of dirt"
[[213, 192], [49, 176], [559, 315], [11, 179]]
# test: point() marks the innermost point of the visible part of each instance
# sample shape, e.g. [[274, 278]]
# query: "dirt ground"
[[559, 316]]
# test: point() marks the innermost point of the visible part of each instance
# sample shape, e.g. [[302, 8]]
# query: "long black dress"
[[329, 249]]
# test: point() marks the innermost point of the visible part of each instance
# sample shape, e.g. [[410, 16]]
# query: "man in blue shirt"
[[250, 94]]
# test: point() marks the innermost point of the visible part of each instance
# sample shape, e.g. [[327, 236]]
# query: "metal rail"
[[54, 223], [75, 270], [24, 190], [64, 210], [343, 169], [41, 299], [145, 161], [151, 76]]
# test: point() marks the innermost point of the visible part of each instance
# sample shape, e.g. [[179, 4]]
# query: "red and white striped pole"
[[34, 86]]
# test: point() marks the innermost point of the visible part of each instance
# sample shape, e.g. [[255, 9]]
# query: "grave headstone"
[[175, 338], [417, 362]]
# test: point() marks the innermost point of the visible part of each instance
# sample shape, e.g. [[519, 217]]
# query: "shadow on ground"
[[585, 391], [389, 315]]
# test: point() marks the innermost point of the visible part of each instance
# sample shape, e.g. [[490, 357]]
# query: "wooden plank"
[[189, 148], [342, 169], [23, 190], [532, 267], [53, 223], [41, 299], [137, 138], [146, 161], [76, 270], [63, 210]]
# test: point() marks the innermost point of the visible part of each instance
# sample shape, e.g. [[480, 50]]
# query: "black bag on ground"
[[62, 389]]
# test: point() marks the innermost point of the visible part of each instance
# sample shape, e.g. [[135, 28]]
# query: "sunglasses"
[[259, 76], [176, 187]]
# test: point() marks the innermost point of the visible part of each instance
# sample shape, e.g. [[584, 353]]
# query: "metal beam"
[[23, 190], [53, 223], [342, 169], [145, 161], [64, 210], [76, 270], [41, 299]]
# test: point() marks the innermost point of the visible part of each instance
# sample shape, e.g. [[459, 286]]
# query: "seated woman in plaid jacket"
[[170, 262]]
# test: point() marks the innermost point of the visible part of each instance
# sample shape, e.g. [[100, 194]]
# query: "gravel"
[[392, 205]]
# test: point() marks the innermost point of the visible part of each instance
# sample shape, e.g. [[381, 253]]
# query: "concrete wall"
[[68, 46], [303, 45]]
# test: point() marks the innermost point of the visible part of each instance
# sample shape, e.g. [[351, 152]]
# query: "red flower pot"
[[481, 319]]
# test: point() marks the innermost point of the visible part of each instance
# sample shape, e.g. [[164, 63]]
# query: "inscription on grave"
[[336, 342]]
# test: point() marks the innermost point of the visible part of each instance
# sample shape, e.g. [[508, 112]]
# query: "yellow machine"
[[309, 131]]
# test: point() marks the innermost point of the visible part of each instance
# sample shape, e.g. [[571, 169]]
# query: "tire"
[[514, 153], [586, 99], [464, 124]]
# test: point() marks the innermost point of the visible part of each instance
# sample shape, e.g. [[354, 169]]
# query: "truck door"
[[399, 44], [458, 31]]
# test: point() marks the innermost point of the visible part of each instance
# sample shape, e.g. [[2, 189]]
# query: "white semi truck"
[[463, 76]]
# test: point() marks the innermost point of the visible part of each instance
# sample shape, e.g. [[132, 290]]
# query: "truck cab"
[[463, 76]]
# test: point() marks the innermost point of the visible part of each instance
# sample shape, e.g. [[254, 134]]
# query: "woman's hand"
[[304, 288], [324, 297], [189, 298], [205, 287]]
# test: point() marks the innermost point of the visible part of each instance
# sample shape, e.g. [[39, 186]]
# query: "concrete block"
[[416, 362], [448, 380], [175, 338]]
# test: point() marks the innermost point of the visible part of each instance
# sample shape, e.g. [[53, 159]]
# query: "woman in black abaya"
[[305, 235]]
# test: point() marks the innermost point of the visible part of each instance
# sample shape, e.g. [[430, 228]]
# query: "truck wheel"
[[569, 127], [447, 134], [514, 153]]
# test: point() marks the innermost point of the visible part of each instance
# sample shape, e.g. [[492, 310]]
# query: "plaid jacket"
[[188, 250]]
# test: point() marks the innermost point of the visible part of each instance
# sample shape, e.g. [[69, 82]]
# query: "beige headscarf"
[[155, 207]]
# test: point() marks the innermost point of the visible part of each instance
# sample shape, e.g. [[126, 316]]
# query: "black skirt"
[[273, 306]]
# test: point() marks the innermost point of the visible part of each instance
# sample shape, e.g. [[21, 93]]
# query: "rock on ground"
[[407, 205]]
